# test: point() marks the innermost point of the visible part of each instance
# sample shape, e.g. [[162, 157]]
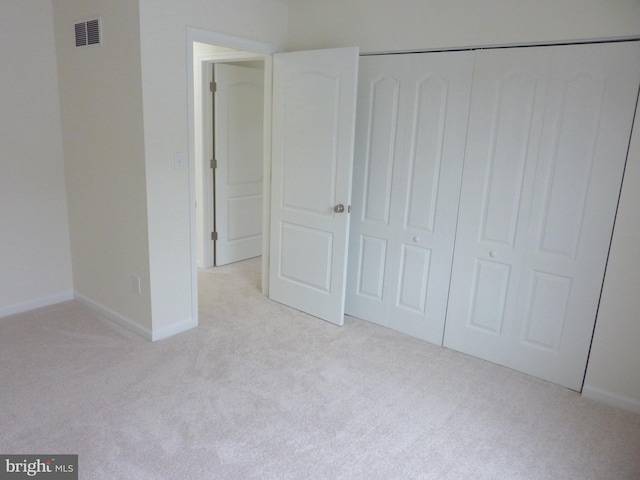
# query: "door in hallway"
[[238, 146]]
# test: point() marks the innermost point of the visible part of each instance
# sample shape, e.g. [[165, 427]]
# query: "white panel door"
[[548, 135], [314, 100], [410, 135], [238, 116]]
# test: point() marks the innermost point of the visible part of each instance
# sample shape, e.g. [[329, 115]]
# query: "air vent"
[[88, 32]]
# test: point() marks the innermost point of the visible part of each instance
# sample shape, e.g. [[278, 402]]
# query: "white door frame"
[[250, 48]]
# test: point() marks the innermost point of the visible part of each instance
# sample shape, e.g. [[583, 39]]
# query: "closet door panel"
[[426, 149], [414, 278], [373, 253], [513, 117], [507, 108], [556, 246], [425, 153], [590, 109], [380, 130], [488, 297], [376, 150]]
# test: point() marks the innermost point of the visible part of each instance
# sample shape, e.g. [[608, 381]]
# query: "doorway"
[[204, 50]]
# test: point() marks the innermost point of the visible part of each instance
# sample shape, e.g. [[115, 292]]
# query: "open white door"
[[314, 105], [239, 104]]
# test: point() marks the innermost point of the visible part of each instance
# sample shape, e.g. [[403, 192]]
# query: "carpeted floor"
[[260, 391]]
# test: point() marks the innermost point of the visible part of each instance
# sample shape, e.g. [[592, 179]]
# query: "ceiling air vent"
[[88, 32]]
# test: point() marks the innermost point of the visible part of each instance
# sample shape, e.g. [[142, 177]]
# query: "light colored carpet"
[[260, 391]]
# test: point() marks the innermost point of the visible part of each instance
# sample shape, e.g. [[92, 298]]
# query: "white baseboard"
[[37, 303], [148, 334], [620, 401], [171, 330], [116, 317]]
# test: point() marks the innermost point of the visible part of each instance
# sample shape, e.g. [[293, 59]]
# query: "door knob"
[[339, 208]]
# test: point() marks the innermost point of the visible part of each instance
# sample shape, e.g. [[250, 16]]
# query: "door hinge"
[[213, 87], [214, 235], [214, 163]]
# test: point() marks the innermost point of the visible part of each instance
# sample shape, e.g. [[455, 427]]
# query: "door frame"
[[250, 49]]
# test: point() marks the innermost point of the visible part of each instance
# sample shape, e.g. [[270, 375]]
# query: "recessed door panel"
[[414, 278], [246, 98], [245, 217], [573, 155], [488, 296], [314, 272], [512, 117], [380, 151], [425, 154], [549, 298], [373, 254], [314, 140]]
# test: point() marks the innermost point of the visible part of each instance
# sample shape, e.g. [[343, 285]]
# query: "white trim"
[[628, 38], [610, 398], [239, 56], [37, 303], [174, 329], [127, 323], [230, 41], [266, 174], [203, 77]]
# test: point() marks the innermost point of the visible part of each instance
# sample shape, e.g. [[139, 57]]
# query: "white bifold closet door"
[[547, 141], [410, 132]]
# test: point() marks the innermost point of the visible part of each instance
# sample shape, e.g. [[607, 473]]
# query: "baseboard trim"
[[37, 303], [151, 335], [114, 316], [620, 401], [174, 329]]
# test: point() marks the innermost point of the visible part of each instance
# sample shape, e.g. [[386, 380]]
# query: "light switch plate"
[[179, 160]]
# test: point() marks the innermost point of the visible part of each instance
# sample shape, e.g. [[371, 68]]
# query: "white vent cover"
[[88, 32]]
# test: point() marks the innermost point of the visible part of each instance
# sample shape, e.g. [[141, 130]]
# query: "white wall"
[[35, 262], [399, 25], [163, 26], [613, 373], [103, 138]]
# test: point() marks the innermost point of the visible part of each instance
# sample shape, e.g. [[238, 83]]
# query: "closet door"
[[410, 132], [548, 135]]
